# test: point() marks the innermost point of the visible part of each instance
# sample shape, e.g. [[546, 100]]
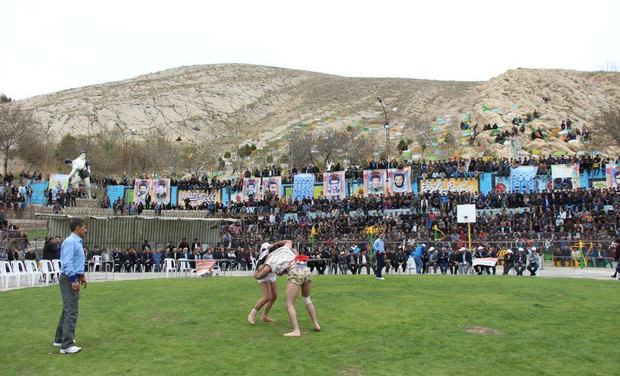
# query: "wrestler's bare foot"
[[252, 317], [317, 328], [293, 334], [266, 319]]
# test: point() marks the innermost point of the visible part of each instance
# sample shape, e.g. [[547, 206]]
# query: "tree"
[[4, 98], [196, 160], [607, 126], [15, 124], [301, 144]]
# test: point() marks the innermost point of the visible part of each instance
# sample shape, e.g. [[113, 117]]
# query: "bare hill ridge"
[[226, 105]]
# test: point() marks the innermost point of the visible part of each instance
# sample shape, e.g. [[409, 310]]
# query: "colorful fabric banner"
[[449, 185], [141, 188], [272, 186], [565, 176], [303, 186], [197, 198], [334, 184], [399, 180], [251, 188], [115, 192], [612, 175], [204, 266], [59, 181], [160, 189], [523, 179], [374, 182]]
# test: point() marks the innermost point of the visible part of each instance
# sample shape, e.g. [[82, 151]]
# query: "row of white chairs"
[[43, 271]]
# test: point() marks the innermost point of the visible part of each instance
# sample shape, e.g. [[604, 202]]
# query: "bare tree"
[[15, 123], [607, 124], [301, 145]]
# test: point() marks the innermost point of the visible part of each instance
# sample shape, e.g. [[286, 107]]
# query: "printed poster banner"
[[160, 189], [272, 186], [544, 183], [303, 186], [197, 198], [523, 179], [204, 267], [399, 180], [565, 176], [449, 185], [598, 184], [374, 182], [612, 175], [115, 192], [251, 187], [501, 184], [59, 181], [334, 184], [141, 188]]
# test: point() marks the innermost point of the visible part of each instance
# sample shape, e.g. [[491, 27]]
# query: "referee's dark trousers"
[[380, 263]]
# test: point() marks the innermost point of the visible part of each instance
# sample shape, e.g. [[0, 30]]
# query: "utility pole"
[[386, 126]]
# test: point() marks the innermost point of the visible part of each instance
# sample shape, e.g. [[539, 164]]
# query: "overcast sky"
[[48, 46]]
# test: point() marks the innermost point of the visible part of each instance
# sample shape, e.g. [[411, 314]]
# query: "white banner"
[[485, 261]]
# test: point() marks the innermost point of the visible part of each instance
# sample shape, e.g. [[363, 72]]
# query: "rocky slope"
[[227, 105]]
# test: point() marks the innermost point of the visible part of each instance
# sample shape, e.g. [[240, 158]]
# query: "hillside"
[[227, 105]]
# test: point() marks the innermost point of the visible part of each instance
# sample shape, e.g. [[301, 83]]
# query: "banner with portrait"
[[59, 181], [141, 188], [160, 189], [374, 182], [501, 184], [399, 180], [449, 185], [303, 186], [251, 188], [197, 198], [523, 179], [612, 175], [334, 185], [272, 186], [565, 176]]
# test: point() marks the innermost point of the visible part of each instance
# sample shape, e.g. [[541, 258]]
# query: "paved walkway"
[[548, 272]]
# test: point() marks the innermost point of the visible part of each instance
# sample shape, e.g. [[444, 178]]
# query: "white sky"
[[50, 45]]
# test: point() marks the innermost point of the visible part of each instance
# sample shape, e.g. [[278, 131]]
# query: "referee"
[[71, 277], [378, 248]]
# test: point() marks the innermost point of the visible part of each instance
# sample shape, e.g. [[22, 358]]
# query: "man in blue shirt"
[[379, 249], [71, 277]]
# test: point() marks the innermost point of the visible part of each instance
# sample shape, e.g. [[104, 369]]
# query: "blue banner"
[[486, 183], [523, 179], [303, 186], [173, 195], [115, 192], [37, 193]]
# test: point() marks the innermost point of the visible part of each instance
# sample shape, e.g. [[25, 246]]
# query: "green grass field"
[[405, 325]]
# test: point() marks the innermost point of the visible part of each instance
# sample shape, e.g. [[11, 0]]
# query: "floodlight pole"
[[469, 234]]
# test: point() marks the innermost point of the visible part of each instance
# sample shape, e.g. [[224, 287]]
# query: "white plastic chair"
[[47, 271], [6, 272], [170, 266], [253, 263], [32, 270], [56, 269], [19, 270], [184, 267], [96, 263], [411, 265]]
